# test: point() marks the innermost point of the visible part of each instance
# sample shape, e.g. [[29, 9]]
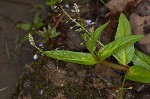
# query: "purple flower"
[[35, 57], [41, 45], [55, 7], [73, 20], [88, 22]]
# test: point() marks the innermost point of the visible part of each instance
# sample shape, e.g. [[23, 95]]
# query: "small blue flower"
[[55, 7], [88, 22], [73, 20], [41, 45], [35, 57]]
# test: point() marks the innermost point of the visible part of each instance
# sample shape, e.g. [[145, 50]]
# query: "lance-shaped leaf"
[[37, 20], [91, 41], [123, 28], [70, 56], [23, 40], [116, 45], [139, 74], [140, 59], [125, 55], [24, 26]]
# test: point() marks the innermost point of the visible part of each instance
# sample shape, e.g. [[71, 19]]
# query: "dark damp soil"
[[50, 79], [47, 78]]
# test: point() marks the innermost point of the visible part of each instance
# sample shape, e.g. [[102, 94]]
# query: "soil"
[[47, 78]]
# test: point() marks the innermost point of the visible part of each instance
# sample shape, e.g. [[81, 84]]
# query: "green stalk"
[[77, 23], [122, 87], [95, 56], [103, 2], [110, 64], [115, 66]]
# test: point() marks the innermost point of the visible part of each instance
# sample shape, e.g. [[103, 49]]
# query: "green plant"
[[122, 48], [35, 25], [51, 3], [47, 33]]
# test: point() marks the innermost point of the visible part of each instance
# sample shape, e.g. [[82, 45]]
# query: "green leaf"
[[123, 28], [23, 39], [70, 56], [116, 45], [139, 74], [48, 32], [41, 33], [38, 25], [140, 59], [51, 2], [37, 20], [91, 41], [125, 55], [24, 26], [53, 33]]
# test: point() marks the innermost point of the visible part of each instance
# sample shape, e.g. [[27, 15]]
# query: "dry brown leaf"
[[137, 25], [118, 5]]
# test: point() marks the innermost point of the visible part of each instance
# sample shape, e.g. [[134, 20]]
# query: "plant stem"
[[77, 23], [103, 2], [115, 66], [122, 87], [95, 56], [110, 64]]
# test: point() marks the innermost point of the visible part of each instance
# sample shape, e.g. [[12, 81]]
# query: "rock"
[[118, 5], [143, 8], [56, 74], [74, 41], [141, 26]]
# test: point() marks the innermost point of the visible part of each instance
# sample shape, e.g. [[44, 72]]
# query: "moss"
[[80, 92], [39, 87]]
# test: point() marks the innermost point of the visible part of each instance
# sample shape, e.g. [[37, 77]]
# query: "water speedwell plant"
[[122, 48]]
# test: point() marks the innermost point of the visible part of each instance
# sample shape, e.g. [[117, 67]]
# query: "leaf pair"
[[124, 55], [141, 70], [123, 46], [117, 45], [91, 41]]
